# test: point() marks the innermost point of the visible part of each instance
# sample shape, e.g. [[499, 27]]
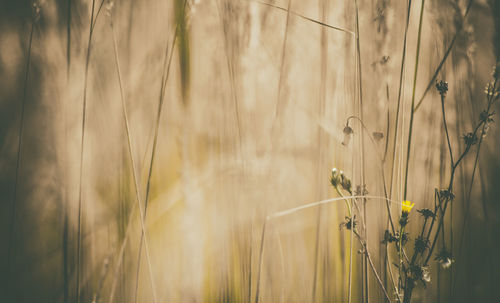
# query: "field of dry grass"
[[182, 151]]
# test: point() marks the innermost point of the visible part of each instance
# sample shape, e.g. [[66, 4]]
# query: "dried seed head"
[[349, 223], [421, 244], [442, 87], [335, 178], [470, 139], [486, 117], [444, 258], [445, 194], [345, 182], [491, 90], [348, 131], [496, 71], [420, 273], [36, 7], [389, 237], [426, 213]]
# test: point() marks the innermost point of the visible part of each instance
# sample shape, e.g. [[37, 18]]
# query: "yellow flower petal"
[[406, 206]]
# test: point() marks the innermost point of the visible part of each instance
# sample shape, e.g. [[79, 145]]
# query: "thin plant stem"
[[401, 76], [131, 156], [10, 254], [440, 225], [446, 130], [365, 251], [68, 40], [350, 260], [412, 111], [387, 126], [303, 17], [381, 164], [490, 101], [327, 201], [82, 150], [348, 205], [448, 196], [400, 250], [230, 68], [166, 72], [261, 254], [316, 252], [282, 67], [360, 99], [391, 275], [360, 79], [249, 295], [481, 125], [294, 210], [381, 161], [322, 99], [65, 239], [443, 60], [121, 253], [351, 218], [469, 191], [102, 278]]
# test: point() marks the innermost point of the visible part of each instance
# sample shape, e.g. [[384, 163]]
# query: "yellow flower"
[[406, 206]]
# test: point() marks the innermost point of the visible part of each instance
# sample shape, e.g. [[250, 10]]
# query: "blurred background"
[[195, 120]]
